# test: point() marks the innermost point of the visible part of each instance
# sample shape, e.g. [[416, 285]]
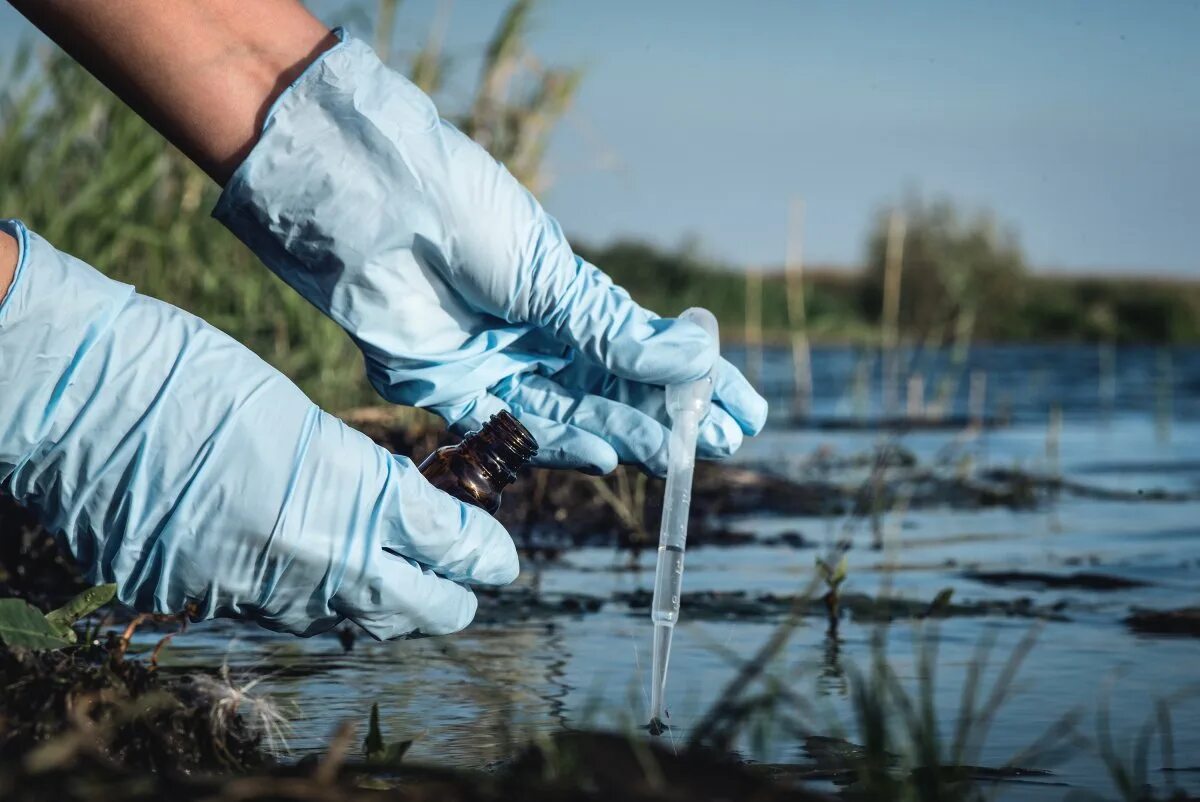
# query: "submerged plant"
[[376, 750], [833, 575], [1129, 771]]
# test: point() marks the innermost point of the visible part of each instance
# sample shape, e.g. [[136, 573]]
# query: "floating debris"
[[525, 603], [739, 605], [657, 727], [1083, 580], [1184, 621]]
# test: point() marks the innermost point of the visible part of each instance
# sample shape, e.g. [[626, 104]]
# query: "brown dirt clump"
[[58, 706]]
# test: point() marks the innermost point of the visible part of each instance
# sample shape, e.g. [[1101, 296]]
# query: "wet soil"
[[740, 605], [548, 511], [840, 761], [63, 705], [1083, 580], [32, 565], [498, 605], [163, 721], [572, 766], [1184, 621]]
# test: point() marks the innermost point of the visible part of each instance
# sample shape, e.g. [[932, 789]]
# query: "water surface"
[[1131, 420]]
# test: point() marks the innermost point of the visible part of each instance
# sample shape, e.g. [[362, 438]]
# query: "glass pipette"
[[687, 404]]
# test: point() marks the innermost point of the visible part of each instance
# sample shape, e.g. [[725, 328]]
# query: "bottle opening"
[[502, 446]]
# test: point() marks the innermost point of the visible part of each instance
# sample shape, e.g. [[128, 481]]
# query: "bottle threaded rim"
[[502, 446]]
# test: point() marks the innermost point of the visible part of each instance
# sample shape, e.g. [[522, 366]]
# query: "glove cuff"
[[343, 198]]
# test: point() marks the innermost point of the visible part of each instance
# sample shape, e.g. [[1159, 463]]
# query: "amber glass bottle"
[[479, 468]]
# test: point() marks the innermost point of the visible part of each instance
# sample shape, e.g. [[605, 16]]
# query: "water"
[[462, 696], [1024, 382]]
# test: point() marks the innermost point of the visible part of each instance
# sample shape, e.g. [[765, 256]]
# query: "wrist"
[[203, 73], [8, 262]]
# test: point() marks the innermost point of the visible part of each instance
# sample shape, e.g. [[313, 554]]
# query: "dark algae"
[[1183, 621], [1083, 580], [121, 711]]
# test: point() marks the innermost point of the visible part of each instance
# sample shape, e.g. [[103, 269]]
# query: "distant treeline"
[[845, 305]]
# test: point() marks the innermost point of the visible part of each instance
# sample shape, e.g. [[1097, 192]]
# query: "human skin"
[[8, 262], [204, 73]]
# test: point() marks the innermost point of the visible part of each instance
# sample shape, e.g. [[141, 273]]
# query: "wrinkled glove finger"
[[386, 499], [734, 394], [456, 540], [582, 308], [721, 433], [560, 445], [636, 438], [402, 599]]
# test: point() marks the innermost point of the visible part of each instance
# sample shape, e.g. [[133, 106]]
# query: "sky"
[[1076, 122]]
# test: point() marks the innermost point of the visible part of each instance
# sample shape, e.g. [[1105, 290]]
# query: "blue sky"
[[1076, 122]]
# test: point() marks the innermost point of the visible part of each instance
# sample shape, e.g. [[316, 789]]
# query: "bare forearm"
[[8, 262], [203, 72]]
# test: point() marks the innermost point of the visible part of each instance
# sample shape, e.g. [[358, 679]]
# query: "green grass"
[[86, 173]]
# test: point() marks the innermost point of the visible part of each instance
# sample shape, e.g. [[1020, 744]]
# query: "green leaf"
[[833, 576], [22, 624], [379, 753], [393, 754], [839, 573], [86, 603], [373, 746], [940, 602]]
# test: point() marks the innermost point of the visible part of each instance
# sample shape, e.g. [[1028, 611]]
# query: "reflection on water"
[[465, 696]]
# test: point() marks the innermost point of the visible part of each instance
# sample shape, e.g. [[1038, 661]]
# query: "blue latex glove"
[[179, 465], [461, 291]]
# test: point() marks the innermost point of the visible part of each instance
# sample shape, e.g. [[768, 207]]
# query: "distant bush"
[[956, 269], [669, 282], [1118, 309], [1007, 302]]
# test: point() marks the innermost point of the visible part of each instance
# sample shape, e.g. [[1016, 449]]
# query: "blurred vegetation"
[[81, 169], [952, 266], [961, 276], [99, 183]]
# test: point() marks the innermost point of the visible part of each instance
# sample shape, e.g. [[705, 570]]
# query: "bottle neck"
[[501, 447]]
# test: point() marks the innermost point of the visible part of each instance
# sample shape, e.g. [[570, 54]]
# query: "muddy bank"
[[550, 511], [59, 706], [572, 766], [739, 605], [1184, 621], [507, 605], [1082, 580], [547, 511], [842, 762]]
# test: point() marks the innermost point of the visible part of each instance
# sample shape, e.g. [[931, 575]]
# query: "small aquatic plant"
[[833, 575], [379, 752]]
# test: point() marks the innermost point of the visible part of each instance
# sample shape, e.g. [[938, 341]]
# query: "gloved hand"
[[179, 465], [461, 291]]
